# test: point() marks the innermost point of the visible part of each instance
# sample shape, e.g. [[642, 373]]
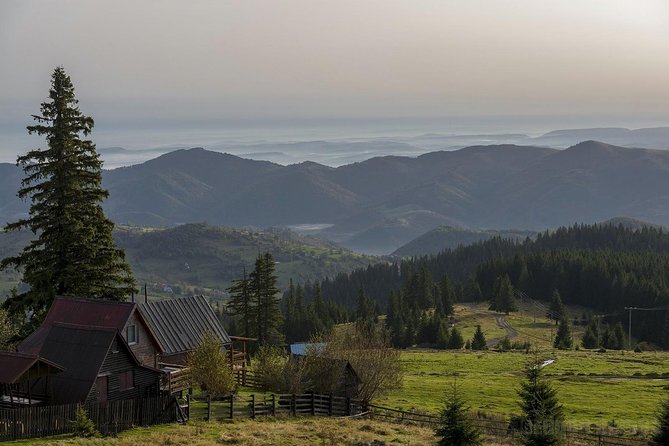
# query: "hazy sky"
[[140, 62]]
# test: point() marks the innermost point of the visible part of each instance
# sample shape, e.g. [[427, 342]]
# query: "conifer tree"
[[619, 336], [563, 339], [242, 304], [455, 340], [556, 310], [447, 295], [266, 300], [443, 337], [455, 427], [661, 434], [503, 299], [542, 414], [479, 341], [73, 253], [590, 338]]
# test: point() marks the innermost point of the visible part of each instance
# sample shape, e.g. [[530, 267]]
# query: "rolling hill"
[[200, 256], [380, 204]]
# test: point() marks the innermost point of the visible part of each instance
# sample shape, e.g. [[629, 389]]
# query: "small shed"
[[20, 374]]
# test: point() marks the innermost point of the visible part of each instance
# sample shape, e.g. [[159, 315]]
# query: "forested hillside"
[[602, 267], [195, 257]]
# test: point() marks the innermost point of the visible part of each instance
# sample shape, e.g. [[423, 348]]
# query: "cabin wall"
[[146, 349], [146, 382]]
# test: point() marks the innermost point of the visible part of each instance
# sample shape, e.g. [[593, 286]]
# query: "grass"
[[615, 387], [265, 431]]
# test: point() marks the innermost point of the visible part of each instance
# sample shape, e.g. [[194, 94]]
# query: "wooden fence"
[[109, 417], [251, 406], [501, 429]]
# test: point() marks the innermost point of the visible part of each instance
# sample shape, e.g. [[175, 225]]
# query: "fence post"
[[208, 407], [348, 406], [188, 406], [232, 406], [273, 405], [313, 404], [330, 405], [293, 405], [253, 405]]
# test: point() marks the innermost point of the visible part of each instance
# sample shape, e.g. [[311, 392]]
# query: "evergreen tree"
[[266, 300], [455, 340], [661, 434], [443, 337], [542, 414], [503, 300], [665, 331], [479, 341], [556, 310], [619, 336], [591, 336], [447, 294], [563, 339], [243, 305], [455, 427], [74, 253], [364, 312]]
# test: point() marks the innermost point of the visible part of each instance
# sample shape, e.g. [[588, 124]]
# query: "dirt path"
[[510, 331]]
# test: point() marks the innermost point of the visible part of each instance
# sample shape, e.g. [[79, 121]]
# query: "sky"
[[180, 64]]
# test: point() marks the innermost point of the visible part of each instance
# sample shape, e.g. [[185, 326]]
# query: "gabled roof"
[[15, 366], [178, 324], [70, 310], [82, 351]]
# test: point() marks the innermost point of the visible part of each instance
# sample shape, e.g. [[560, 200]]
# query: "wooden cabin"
[[97, 365], [21, 374], [121, 316]]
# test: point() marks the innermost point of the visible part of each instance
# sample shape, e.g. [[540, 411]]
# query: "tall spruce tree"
[[503, 299], [267, 300], [73, 253], [242, 304], [556, 311]]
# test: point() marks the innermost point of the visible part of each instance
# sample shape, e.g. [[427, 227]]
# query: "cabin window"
[[132, 335], [126, 380]]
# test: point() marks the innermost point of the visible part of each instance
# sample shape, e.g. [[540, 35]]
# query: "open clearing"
[[595, 388]]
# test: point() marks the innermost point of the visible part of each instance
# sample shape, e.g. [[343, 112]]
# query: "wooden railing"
[[175, 381], [501, 429], [109, 417]]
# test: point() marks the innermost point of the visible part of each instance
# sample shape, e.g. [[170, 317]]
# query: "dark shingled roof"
[[15, 366], [179, 324], [70, 310], [82, 351]]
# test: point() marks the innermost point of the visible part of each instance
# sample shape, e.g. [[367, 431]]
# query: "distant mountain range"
[[380, 204]]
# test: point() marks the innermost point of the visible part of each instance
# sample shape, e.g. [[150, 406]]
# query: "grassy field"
[[621, 388], [265, 431]]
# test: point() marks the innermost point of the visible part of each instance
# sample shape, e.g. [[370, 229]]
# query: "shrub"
[[661, 435], [210, 368], [82, 425], [276, 372]]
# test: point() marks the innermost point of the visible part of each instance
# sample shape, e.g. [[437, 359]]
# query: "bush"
[[276, 372], [210, 368], [369, 352], [82, 425], [661, 435]]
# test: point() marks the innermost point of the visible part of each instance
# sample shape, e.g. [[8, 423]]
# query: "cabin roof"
[[82, 351], [78, 311], [300, 348], [178, 324], [16, 365]]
